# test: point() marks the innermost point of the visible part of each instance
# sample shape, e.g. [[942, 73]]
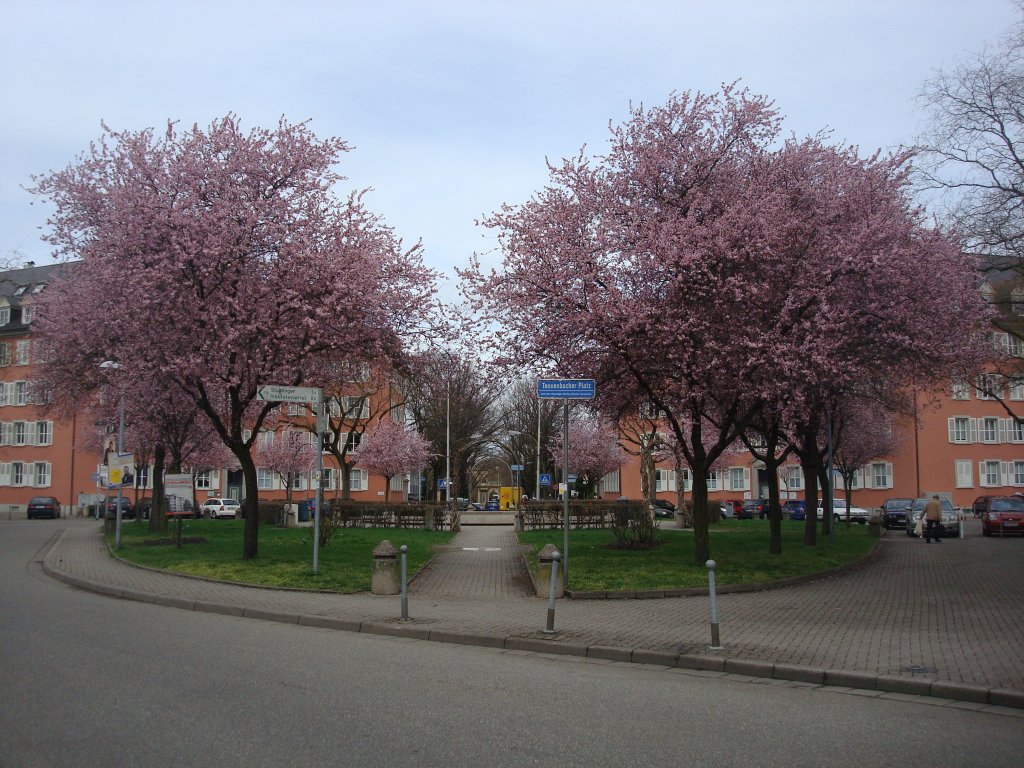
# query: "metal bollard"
[[555, 557], [405, 584], [715, 641]]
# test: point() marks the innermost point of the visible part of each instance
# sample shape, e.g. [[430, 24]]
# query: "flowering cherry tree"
[[391, 450], [594, 450], [703, 269], [290, 455], [217, 261]]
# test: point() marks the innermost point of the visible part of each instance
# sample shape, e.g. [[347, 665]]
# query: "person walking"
[[933, 520]]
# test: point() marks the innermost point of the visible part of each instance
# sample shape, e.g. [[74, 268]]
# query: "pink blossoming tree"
[[702, 268], [392, 449], [217, 261]]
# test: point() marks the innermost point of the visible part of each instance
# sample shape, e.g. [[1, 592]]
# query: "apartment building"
[[45, 454]]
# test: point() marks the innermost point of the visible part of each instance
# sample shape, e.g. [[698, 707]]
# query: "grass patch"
[[738, 547], [285, 554]]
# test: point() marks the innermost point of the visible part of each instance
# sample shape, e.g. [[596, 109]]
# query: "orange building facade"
[[964, 442]]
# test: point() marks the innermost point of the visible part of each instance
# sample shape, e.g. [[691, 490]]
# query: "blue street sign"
[[545, 479], [441, 483], [572, 479], [566, 389]]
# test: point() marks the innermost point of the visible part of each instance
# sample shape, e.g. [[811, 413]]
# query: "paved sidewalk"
[[942, 620]]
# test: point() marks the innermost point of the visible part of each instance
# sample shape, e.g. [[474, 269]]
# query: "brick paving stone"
[[952, 613]]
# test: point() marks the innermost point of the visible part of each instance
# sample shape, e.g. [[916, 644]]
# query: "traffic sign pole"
[[564, 390]]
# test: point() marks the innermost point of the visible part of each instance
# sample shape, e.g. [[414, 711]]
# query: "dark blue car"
[[795, 509]]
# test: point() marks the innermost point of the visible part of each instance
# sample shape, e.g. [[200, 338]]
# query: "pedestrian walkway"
[[483, 562], [941, 621]]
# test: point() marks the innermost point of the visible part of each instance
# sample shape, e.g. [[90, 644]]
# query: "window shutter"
[[746, 478], [951, 426], [5, 393], [888, 474], [1005, 473], [6, 433], [215, 478], [5, 473], [972, 434], [1003, 432]]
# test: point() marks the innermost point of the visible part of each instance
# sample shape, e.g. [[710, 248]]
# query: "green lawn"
[[285, 555], [738, 547]]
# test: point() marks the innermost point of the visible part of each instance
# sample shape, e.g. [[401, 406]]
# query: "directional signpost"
[[276, 393], [566, 390]]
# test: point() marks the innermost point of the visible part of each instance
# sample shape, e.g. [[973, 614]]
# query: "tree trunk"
[[828, 509], [701, 535], [250, 538], [774, 507], [156, 508]]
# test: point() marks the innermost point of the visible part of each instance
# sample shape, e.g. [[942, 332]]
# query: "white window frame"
[[964, 473], [17, 474], [41, 474], [610, 483], [359, 480], [43, 433], [204, 480], [879, 474], [961, 389], [264, 479], [737, 479], [664, 480], [5, 316], [962, 430], [792, 476], [349, 404], [1015, 431], [22, 352], [989, 475], [1017, 474], [713, 480], [990, 381], [397, 483], [28, 314], [21, 433], [988, 429]]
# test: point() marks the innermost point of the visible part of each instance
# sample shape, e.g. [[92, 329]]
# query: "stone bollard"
[[519, 527], [384, 576], [544, 560], [875, 526]]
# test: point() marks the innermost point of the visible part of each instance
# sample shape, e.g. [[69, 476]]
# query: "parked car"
[[795, 509], [664, 508], [1003, 515], [950, 517], [735, 507], [127, 511], [43, 506], [857, 514], [979, 505], [727, 509], [218, 508], [476, 506], [753, 508], [894, 512]]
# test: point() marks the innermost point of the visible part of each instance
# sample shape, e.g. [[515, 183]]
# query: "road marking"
[[481, 549]]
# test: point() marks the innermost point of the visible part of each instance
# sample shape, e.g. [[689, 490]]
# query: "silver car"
[[950, 517]]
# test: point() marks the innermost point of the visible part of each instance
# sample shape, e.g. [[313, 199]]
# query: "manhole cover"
[[919, 669]]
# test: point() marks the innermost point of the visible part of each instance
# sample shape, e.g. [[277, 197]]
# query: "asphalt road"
[[87, 680]]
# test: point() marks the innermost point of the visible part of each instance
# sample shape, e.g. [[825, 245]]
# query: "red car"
[[1003, 515], [737, 506]]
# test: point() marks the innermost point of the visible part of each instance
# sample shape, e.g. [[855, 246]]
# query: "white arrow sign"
[[275, 393]]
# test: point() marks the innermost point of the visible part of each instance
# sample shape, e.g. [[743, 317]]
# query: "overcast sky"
[[453, 106]]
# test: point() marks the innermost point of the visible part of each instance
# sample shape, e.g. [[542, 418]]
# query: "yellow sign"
[[509, 497]]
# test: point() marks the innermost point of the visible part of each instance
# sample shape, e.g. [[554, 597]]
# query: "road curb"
[[1001, 697]]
